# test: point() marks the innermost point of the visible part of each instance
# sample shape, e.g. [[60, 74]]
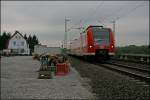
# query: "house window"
[[14, 43], [22, 43]]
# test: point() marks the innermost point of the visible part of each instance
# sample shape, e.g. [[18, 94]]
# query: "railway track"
[[141, 74], [142, 69], [135, 71]]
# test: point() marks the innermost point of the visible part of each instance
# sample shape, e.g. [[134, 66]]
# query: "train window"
[[101, 35]]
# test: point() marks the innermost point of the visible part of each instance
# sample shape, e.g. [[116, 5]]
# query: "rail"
[[140, 74], [134, 57]]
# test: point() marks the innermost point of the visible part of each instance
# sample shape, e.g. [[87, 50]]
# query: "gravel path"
[[19, 81], [110, 85]]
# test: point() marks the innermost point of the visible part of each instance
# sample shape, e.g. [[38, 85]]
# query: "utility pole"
[[80, 31], [65, 36], [114, 23]]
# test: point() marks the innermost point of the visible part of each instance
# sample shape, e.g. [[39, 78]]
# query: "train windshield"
[[101, 35]]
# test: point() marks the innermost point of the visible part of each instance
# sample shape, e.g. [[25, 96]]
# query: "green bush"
[[132, 49]]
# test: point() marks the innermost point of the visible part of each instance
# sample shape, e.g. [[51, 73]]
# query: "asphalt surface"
[[19, 80]]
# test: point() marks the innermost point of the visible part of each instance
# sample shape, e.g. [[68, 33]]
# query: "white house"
[[18, 44]]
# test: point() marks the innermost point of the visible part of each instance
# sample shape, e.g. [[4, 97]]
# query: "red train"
[[95, 42]]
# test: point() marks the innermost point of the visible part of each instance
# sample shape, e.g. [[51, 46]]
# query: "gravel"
[[107, 84], [19, 80]]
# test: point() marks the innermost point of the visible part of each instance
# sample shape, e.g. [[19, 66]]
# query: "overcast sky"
[[46, 19]]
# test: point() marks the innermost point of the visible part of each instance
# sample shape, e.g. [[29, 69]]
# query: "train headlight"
[[112, 46], [90, 46]]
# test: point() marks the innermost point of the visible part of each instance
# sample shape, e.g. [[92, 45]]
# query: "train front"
[[103, 42]]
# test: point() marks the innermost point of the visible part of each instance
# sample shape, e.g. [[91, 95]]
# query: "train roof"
[[96, 26]]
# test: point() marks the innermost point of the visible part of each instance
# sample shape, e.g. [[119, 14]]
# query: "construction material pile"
[[36, 57], [52, 64]]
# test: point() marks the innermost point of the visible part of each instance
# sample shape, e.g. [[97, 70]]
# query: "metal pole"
[[65, 37], [80, 31], [65, 34], [114, 27]]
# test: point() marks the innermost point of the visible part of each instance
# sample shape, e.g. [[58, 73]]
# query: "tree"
[[29, 40], [4, 40], [25, 37], [8, 36], [133, 49], [32, 41], [0, 42], [35, 40]]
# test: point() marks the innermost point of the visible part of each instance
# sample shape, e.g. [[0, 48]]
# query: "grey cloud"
[[46, 18]]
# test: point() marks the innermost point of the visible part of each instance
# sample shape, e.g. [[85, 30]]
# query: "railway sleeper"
[[101, 55]]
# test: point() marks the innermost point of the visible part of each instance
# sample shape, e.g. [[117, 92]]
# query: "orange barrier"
[[62, 69]]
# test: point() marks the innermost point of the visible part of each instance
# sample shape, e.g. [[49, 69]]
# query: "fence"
[[134, 57]]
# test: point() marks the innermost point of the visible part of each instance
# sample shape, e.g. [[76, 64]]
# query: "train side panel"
[[84, 42], [112, 43], [75, 46], [90, 41]]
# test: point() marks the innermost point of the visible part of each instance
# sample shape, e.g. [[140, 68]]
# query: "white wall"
[[18, 45], [41, 49]]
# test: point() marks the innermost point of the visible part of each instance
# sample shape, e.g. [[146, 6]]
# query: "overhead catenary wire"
[[90, 15], [94, 12], [79, 24], [128, 13], [117, 18], [105, 19], [111, 15], [121, 16]]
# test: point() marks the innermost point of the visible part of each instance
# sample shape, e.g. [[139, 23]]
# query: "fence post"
[[148, 59], [125, 57], [141, 59], [121, 57]]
